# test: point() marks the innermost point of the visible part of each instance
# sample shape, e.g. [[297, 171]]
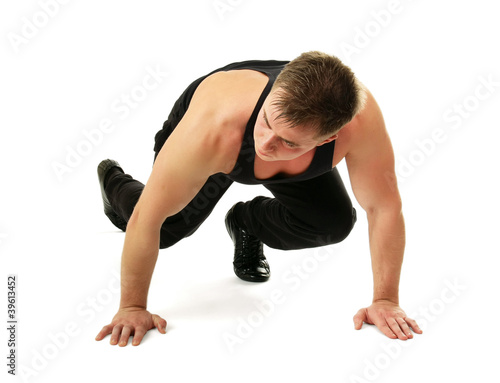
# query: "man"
[[283, 125]]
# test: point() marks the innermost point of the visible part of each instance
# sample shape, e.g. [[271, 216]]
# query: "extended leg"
[[123, 192]]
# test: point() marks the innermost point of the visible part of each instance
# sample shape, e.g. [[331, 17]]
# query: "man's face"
[[276, 141]]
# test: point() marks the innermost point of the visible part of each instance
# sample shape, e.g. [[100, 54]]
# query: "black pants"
[[303, 214]]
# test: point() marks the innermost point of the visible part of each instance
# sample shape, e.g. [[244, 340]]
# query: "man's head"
[[315, 92]]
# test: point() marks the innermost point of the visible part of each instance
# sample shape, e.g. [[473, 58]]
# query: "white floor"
[[66, 73]]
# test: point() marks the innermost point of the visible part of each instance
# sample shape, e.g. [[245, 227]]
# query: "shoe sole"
[[251, 279]]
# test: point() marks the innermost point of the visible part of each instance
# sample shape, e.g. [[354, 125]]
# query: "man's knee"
[[339, 226], [167, 241], [174, 229]]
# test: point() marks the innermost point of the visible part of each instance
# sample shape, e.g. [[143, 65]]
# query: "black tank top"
[[243, 172]]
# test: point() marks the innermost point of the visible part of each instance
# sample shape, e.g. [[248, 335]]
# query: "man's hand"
[[389, 318], [131, 321]]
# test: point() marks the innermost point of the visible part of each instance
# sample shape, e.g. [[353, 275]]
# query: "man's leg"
[[123, 192], [304, 214]]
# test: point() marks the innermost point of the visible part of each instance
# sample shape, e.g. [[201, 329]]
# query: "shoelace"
[[249, 251]]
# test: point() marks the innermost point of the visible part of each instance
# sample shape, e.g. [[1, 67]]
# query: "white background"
[[61, 76]]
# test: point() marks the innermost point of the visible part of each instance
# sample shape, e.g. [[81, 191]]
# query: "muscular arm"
[[198, 148], [180, 170], [370, 164]]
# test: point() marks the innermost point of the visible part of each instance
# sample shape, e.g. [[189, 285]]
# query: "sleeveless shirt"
[[243, 171]]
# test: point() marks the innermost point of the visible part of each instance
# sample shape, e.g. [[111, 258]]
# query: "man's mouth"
[[262, 154]]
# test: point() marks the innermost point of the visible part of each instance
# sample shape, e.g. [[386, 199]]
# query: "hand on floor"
[[131, 321], [389, 318]]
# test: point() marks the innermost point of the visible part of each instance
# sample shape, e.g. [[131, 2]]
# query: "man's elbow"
[[394, 207], [144, 219]]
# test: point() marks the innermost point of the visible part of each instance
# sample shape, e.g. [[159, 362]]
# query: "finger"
[[383, 326], [414, 326], [106, 330], [359, 318], [115, 335], [404, 327], [386, 329], [138, 335], [396, 328], [125, 335], [160, 323]]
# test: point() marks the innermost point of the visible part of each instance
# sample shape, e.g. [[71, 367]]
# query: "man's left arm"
[[370, 162]]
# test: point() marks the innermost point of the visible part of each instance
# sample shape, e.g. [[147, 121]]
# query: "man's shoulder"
[[219, 112], [225, 100], [367, 123], [360, 134], [234, 89]]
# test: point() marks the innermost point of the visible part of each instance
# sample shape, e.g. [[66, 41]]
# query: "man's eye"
[[289, 144]]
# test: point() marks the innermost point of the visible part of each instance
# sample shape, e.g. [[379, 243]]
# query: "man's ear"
[[329, 139]]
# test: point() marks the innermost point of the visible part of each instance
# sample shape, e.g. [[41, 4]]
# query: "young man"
[[283, 125]]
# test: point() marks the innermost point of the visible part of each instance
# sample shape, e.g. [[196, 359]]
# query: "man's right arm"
[[191, 154]]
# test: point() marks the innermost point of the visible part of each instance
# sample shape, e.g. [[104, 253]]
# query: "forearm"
[[387, 243], [140, 253]]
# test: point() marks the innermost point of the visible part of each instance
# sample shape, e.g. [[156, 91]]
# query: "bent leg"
[[189, 219], [123, 193], [304, 214]]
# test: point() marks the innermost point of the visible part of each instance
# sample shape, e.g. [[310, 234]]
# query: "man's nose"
[[268, 141]]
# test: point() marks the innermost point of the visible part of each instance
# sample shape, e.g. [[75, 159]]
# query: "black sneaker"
[[249, 263], [103, 168]]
